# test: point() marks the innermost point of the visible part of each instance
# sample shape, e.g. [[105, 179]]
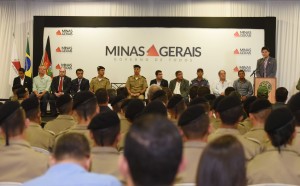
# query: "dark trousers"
[[52, 102], [43, 102]]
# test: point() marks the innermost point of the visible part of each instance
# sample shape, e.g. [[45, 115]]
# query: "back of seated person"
[[70, 163], [222, 163], [176, 106], [294, 106], [34, 133], [105, 131], [65, 119], [194, 123], [153, 152], [18, 162], [281, 96], [279, 163]]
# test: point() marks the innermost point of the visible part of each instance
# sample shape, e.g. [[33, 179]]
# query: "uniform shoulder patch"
[[106, 78], [94, 77], [143, 77]]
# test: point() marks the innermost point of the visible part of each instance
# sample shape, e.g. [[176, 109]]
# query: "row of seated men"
[[45, 88], [268, 138]]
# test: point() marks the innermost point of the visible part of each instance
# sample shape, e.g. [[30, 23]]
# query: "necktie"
[[79, 83], [265, 67], [60, 86]]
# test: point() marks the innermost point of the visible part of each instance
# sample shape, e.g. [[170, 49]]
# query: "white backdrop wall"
[[16, 16]]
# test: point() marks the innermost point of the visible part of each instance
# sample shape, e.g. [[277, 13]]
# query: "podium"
[[270, 83]]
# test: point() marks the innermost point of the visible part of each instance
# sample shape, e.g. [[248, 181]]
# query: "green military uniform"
[[136, 85], [192, 152], [251, 147], [20, 163], [275, 167], [38, 137], [61, 123], [105, 161], [296, 140], [82, 129], [97, 83]]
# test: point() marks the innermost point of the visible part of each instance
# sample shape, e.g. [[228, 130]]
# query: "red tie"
[[60, 85]]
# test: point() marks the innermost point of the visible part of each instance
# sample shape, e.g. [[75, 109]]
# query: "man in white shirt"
[[220, 86]]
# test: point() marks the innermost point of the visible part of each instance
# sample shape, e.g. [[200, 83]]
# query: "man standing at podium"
[[267, 66]]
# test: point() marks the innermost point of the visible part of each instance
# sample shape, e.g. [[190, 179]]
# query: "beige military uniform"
[[192, 152], [296, 140], [251, 146], [82, 129], [274, 167], [61, 123], [20, 163], [125, 126], [216, 123], [257, 133], [105, 161], [38, 137], [97, 83], [136, 85]]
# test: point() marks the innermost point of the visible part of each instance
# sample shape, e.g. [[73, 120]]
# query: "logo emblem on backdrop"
[[57, 67], [152, 51], [64, 32], [64, 49], [244, 68], [242, 34], [242, 51], [67, 66], [236, 69]]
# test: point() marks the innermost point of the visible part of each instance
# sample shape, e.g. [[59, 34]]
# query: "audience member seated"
[[14, 89], [105, 130], [168, 92], [112, 93], [65, 119], [194, 122], [279, 163], [153, 153], [176, 106], [215, 118], [85, 107], [193, 92], [160, 95], [18, 162], [133, 110], [281, 96], [222, 163], [294, 106], [210, 98], [152, 89], [22, 94], [228, 90], [262, 92], [258, 113], [122, 91], [102, 99], [116, 104], [200, 101], [70, 165], [34, 133], [202, 91], [156, 107], [230, 112]]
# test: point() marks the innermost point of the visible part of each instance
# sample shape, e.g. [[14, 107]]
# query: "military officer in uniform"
[[34, 133], [105, 129], [18, 162], [100, 81], [136, 85]]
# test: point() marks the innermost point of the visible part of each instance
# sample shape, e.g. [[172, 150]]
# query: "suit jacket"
[[27, 82], [270, 69], [84, 85], [184, 87], [163, 83], [66, 84]]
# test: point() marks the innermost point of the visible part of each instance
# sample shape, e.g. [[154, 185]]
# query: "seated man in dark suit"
[[80, 83], [23, 80], [159, 79], [266, 66], [60, 85], [179, 85]]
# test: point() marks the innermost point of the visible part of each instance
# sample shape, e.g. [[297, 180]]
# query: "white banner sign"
[[166, 49]]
